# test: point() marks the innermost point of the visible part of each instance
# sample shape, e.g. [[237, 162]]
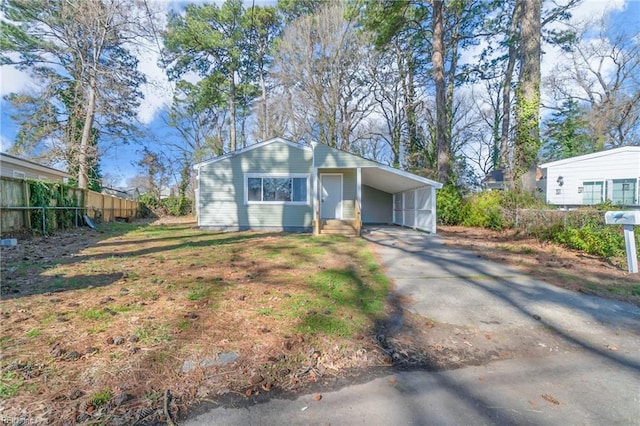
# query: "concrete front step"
[[337, 227], [351, 232]]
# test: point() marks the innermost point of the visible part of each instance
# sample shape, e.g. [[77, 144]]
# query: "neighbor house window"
[[592, 192], [18, 174], [624, 191], [277, 189]]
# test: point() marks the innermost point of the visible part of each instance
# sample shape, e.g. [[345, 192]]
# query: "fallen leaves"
[[550, 398]]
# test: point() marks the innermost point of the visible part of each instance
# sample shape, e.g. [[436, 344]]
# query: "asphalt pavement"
[[593, 380]]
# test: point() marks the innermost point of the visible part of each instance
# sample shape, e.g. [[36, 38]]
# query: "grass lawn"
[[105, 330]]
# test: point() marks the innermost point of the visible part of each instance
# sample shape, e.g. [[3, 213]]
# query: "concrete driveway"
[[579, 365]]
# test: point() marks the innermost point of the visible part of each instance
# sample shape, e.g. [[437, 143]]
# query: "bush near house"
[[582, 229], [172, 205]]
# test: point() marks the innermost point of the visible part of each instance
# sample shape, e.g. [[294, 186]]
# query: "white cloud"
[[12, 80], [5, 143], [158, 92], [587, 11]]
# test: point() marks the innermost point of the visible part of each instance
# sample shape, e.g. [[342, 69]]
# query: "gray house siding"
[[376, 206], [222, 190], [327, 157]]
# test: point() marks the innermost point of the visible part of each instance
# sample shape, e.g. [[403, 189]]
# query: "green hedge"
[[583, 229], [173, 206]]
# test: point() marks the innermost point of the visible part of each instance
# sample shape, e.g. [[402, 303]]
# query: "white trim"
[[434, 215], [315, 194], [411, 176], [359, 187], [249, 148], [623, 149], [247, 176], [341, 215]]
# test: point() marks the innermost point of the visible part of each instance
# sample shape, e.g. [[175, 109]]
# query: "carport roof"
[[393, 181]]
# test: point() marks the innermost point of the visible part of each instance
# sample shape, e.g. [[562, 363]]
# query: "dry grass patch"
[[549, 262], [99, 328]]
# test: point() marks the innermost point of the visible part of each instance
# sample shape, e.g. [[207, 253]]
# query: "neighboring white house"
[[611, 175]]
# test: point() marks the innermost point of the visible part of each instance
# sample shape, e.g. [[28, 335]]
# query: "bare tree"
[[602, 73], [319, 67], [389, 95]]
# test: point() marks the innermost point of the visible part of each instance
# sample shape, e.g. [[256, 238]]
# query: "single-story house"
[[19, 168], [285, 186], [612, 175]]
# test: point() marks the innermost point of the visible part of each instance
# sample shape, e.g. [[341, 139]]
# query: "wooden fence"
[[16, 214]]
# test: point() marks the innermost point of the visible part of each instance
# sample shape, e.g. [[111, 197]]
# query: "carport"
[[353, 191], [412, 198]]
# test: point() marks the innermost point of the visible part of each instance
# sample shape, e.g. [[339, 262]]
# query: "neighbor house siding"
[[376, 206], [602, 169], [15, 167], [222, 190]]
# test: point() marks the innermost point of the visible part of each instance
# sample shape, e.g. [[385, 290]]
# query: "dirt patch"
[[548, 262]]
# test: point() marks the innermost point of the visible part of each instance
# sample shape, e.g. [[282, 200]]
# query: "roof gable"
[[250, 148], [328, 157]]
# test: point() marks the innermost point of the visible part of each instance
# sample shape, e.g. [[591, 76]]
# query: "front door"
[[331, 196]]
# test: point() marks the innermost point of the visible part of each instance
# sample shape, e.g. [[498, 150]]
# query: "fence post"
[[27, 195]]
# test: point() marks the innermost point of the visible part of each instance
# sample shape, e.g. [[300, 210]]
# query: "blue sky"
[[117, 162]]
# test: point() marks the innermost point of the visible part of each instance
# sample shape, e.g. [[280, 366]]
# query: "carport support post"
[[630, 242], [359, 197], [434, 215]]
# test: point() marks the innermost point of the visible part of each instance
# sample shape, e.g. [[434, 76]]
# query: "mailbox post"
[[628, 219]]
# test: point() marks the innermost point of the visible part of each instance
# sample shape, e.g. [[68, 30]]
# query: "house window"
[[18, 174], [279, 189], [592, 192], [624, 191]]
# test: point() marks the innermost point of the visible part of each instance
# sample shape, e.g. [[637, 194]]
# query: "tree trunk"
[[503, 159], [265, 109], [232, 112], [410, 111], [437, 58], [528, 98], [83, 154]]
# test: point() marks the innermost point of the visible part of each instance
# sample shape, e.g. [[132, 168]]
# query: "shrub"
[[177, 206], [521, 200], [483, 210], [601, 240], [449, 202], [148, 205]]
